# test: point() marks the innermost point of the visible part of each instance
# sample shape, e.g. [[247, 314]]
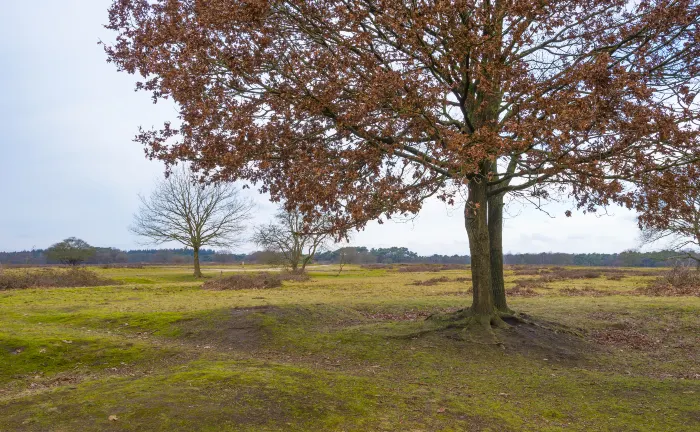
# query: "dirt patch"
[[230, 329], [546, 341]]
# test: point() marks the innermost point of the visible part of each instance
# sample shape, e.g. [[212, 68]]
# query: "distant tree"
[[267, 257], [192, 214], [294, 239], [71, 251]]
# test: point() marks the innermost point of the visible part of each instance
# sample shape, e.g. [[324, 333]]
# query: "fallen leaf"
[[441, 410]]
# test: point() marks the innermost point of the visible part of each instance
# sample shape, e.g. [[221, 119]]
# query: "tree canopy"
[[72, 251], [363, 108]]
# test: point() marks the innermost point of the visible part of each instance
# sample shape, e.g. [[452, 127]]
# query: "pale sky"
[[68, 166]]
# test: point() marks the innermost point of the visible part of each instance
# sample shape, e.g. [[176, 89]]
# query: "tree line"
[[348, 255]]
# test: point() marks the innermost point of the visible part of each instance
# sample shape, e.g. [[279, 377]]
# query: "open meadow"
[[348, 352]]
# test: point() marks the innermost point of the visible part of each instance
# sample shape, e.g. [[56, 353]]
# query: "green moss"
[[207, 396], [336, 353], [25, 355]]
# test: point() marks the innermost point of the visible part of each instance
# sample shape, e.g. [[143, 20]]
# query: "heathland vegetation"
[[153, 349]]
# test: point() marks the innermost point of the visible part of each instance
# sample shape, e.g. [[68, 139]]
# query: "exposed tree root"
[[481, 325]]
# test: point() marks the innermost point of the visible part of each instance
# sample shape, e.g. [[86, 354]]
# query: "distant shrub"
[[586, 292], [122, 266], [519, 291], [527, 271], [418, 268], [463, 279], [52, 278], [244, 281], [680, 281], [528, 283], [443, 279], [431, 282], [377, 266]]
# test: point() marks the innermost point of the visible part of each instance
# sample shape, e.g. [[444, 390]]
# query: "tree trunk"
[[197, 270], [475, 217], [498, 288]]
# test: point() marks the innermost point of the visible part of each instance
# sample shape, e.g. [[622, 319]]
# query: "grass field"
[[345, 353]]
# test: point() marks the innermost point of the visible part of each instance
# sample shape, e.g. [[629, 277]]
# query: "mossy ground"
[[348, 352]]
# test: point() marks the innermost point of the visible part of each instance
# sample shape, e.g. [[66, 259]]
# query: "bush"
[[244, 281], [679, 281], [435, 281], [417, 268], [52, 278], [526, 271], [431, 282], [122, 266], [377, 266], [528, 284], [519, 291]]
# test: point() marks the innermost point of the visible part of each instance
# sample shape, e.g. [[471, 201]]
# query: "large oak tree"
[[363, 108]]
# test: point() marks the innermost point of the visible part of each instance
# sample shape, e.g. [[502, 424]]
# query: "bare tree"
[[295, 240], [670, 211], [192, 214]]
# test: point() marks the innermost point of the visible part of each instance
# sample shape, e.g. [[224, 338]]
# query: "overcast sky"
[[68, 166]]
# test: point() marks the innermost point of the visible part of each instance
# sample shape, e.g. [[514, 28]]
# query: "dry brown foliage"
[[624, 337], [443, 279], [587, 292], [377, 266], [418, 268], [52, 278], [527, 271], [245, 281], [519, 291], [122, 266], [403, 316], [680, 281]]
